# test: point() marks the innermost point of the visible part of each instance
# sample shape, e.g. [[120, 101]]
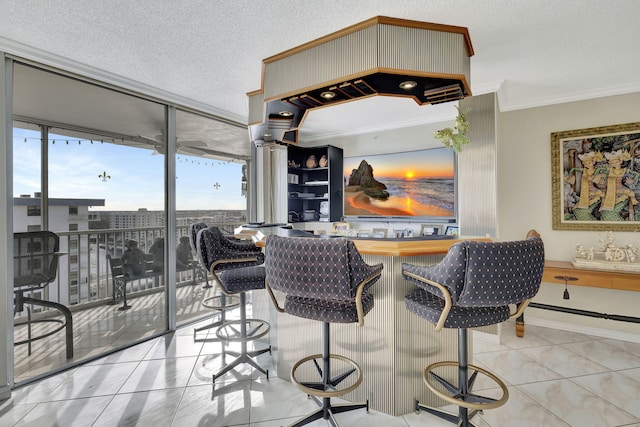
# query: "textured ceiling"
[[534, 52]]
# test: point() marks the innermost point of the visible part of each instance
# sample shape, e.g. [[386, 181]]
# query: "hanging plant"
[[457, 137]]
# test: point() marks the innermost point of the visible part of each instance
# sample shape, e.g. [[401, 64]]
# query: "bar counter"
[[393, 347]]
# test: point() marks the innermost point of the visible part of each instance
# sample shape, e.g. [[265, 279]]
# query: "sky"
[[133, 177], [430, 163]]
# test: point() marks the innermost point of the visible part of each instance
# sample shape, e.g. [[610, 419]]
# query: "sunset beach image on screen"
[[411, 185]]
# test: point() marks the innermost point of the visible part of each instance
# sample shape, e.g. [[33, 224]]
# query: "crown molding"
[[505, 105]]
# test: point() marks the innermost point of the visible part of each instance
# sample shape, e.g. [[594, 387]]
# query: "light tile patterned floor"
[[555, 378]]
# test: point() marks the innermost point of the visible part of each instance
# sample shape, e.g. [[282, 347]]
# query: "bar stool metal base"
[[228, 333], [469, 404], [461, 419], [226, 302], [327, 387]]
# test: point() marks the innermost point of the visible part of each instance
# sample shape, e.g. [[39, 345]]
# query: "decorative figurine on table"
[[608, 256]]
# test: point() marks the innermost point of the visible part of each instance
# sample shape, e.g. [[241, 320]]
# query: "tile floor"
[[103, 328], [555, 378]]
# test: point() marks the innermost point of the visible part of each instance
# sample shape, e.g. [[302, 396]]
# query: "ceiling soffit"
[[374, 57]]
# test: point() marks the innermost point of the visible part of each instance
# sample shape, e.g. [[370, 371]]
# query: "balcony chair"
[[473, 286], [235, 266], [35, 265], [325, 280]]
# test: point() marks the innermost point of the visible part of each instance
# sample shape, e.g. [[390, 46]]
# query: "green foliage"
[[457, 137]]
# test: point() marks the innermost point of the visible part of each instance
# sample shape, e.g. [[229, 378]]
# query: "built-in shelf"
[[322, 185]]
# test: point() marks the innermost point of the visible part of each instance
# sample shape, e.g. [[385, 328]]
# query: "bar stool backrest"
[[322, 268], [213, 246], [487, 274]]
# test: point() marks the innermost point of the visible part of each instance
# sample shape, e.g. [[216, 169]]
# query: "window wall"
[[102, 167], [85, 168], [209, 189]]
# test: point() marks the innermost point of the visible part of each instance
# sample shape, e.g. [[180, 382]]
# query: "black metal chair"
[[324, 279], [474, 285], [235, 265], [35, 265]]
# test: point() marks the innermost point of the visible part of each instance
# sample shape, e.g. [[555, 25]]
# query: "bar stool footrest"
[[227, 302], [231, 331], [466, 400], [320, 390]]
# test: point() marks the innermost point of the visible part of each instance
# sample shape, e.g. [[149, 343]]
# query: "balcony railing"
[[84, 276]]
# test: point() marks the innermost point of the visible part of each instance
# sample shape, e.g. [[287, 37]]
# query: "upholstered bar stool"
[[474, 285], [219, 302], [236, 268], [324, 279], [194, 229]]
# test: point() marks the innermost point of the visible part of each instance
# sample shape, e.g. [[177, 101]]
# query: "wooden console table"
[[609, 279], [557, 271]]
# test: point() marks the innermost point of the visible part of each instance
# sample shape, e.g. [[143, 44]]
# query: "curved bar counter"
[[393, 347]]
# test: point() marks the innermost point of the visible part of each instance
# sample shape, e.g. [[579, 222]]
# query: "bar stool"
[[473, 286], [324, 280], [219, 302], [235, 265]]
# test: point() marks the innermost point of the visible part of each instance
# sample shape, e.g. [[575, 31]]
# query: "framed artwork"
[[429, 230], [451, 230], [363, 233], [408, 232], [398, 234], [596, 178], [341, 228]]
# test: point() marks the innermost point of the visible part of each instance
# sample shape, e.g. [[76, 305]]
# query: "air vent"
[[444, 94]]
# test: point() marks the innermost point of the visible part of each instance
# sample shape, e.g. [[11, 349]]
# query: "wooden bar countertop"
[[413, 246]]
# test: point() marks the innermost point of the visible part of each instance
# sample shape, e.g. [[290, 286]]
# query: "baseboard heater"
[[588, 313]]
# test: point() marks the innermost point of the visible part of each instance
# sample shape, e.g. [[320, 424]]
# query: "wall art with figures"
[[596, 178]]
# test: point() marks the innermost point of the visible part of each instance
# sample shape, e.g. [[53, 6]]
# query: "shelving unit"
[[314, 193]]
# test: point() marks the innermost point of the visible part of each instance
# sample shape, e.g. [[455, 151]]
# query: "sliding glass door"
[[89, 167], [211, 188]]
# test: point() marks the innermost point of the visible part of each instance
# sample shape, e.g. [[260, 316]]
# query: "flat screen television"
[[415, 186]]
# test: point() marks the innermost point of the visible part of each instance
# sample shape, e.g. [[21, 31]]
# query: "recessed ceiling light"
[[285, 113], [266, 134], [328, 94], [408, 85]]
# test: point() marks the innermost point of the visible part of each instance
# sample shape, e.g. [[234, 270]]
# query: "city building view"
[[100, 195]]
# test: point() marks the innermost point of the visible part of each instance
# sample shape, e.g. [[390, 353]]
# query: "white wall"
[[394, 140], [524, 201], [524, 197]]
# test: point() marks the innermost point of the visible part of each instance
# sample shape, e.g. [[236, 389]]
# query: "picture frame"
[[340, 228], [379, 233], [595, 178], [451, 230], [408, 232], [429, 230], [398, 234]]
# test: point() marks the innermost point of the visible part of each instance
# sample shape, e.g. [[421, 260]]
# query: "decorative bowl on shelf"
[[312, 162]]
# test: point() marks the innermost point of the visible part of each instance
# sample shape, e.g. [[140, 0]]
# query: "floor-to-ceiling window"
[[88, 167], [90, 164], [211, 187]]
